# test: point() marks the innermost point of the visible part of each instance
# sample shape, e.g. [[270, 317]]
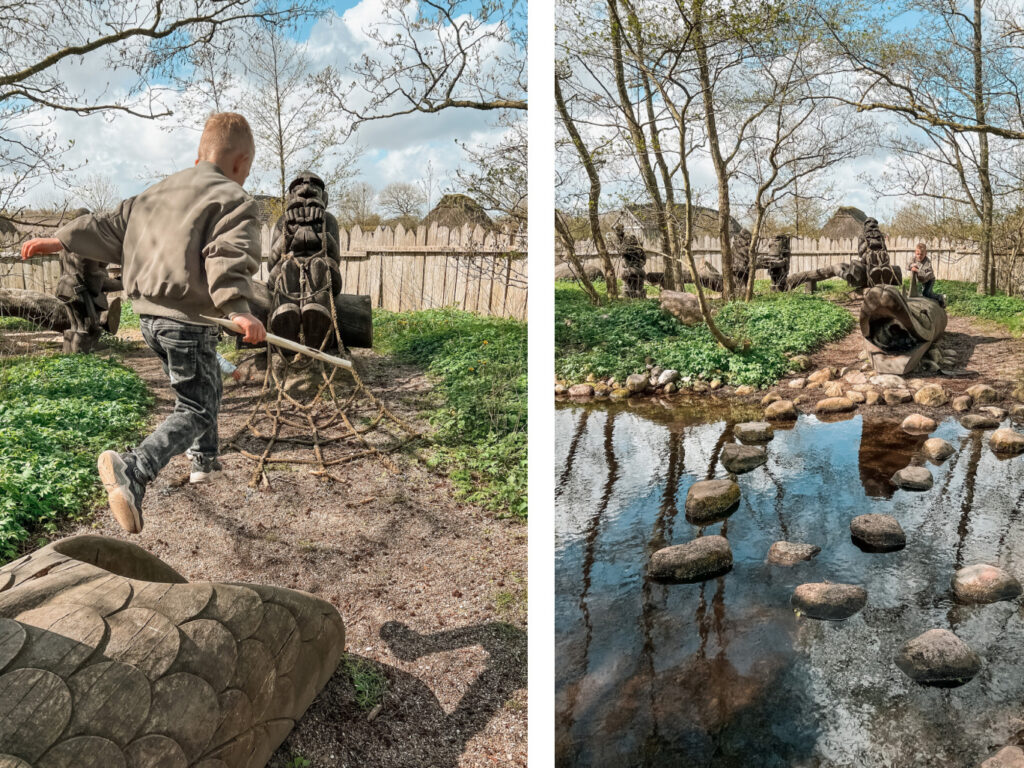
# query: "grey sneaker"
[[204, 469], [124, 489]]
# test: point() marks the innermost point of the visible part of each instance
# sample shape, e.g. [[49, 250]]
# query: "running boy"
[[189, 246]]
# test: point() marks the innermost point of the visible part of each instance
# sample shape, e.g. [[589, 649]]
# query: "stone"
[[871, 397], [123, 664], [684, 307], [983, 393], [619, 394], [796, 383], [737, 458], [781, 410], [700, 387], [835, 389], [1017, 414], [715, 384], [984, 584], [962, 403], [857, 378], [887, 381], [897, 396], [937, 449], [820, 376], [1007, 757], [938, 657], [835, 405], [856, 397], [913, 478], [602, 390], [636, 383], [667, 377], [1018, 393], [979, 421], [1006, 441], [697, 560], [791, 552], [744, 390], [581, 390], [918, 424], [812, 385], [878, 533], [931, 395], [754, 432], [771, 397], [670, 388], [800, 399], [711, 500], [995, 412], [800, 362], [829, 602], [561, 389]]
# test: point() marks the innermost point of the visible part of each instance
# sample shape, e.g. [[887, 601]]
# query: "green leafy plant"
[[56, 414], [367, 680], [479, 364]]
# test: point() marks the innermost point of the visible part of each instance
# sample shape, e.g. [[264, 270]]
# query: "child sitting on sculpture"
[[922, 267], [189, 246]]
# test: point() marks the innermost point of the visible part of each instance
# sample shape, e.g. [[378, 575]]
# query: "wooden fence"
[[401, 270], [951, 260]]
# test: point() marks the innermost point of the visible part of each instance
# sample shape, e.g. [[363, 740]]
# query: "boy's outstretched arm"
[[232, 257], [99, 237]]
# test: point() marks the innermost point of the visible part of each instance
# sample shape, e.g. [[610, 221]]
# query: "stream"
[[723, 672]]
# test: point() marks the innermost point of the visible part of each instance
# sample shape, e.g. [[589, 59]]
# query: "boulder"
[[962, 403], [561, 389], [602, 390], [1017, 414], [684, 307], [711, 500], [754, 432], [715, 384], [913, 479], [697, 560], [1006, 441], [738, 458], [857, 378], [1007, 757], [918, 424], [781, 410], [667, 377], [871, 397], [797, 383], [994, 411], [835, 405], [887, 381], [581, 390], [979, 421], [829, 602], [984, 584], [856, 397], [670, 388], [820, 376], [834, 389], [791, 552], [931, 395], [744, 390], [897, 396], [938, 657], [771, 397], [800, 362], [636, 383], [619, 394], [878, 533], [983, 393], [937, 449]]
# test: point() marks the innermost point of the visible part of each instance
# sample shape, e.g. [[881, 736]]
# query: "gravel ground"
[[432, 591]]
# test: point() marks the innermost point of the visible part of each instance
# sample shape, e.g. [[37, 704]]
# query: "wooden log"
[[40, 308], [355, 315]]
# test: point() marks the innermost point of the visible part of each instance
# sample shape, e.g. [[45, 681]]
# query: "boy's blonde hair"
[[922, 248], [225, 132]]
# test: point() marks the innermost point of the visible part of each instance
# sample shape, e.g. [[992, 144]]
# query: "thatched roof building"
[[640, 220], [455, 211], [847, 221]]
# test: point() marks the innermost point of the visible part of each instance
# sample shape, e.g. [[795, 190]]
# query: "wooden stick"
[[292, 346]]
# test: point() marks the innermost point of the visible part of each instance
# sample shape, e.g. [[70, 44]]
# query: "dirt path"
[[432, 591]]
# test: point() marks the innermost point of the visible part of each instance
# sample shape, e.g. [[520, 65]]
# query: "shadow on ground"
[[411, 729]]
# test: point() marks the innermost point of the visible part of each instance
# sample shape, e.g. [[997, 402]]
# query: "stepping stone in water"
[[835, 405], [983, 584], [996, 413], [918, 424], [742, 458], [962, 403], [781, 410], [708, 501], [1006, 441], [697, 560], [937, 449], [940, 658], [979, 421], [877, 533], [913, 479], [829, 602], [754, 432], [791, 552]]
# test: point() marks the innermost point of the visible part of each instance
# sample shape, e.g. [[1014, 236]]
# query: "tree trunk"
[[986, 281], [42, 309], [568, 242]]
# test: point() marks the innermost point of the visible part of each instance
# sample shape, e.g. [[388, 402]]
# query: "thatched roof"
[[847, 221], [641, 221], [455, 211]]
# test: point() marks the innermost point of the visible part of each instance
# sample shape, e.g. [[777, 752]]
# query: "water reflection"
[[722, 673]]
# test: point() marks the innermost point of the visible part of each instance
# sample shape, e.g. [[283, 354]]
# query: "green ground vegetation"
[[479, 364], [617, 338], [368, 682], [56, 414]]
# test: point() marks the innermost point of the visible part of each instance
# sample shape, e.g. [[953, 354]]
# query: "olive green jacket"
[[189, 245]]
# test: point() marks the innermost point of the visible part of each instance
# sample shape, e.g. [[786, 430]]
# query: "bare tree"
[[98, 193], [357, 206], [402, 200], [497, 175]]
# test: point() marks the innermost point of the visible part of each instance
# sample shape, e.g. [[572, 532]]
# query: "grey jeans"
[[189, 356]]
